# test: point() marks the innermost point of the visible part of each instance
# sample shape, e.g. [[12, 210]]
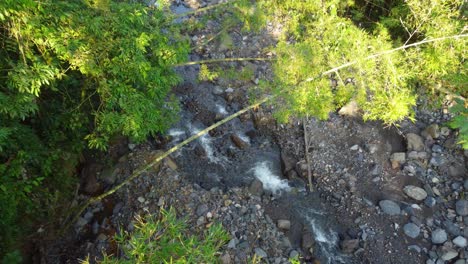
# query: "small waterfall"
[[270, 181], [327, 239], [206, 143]]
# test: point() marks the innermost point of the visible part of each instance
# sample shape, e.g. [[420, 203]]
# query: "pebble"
[[202, 209], [141, 199], [430, 201], [284, 224], [415, 192], [397, 159], [447, 253], [460, 241], [390, 207], [411, 230], [260, 253], [438, 236], [414, 142], [415, 248], [461, 206]]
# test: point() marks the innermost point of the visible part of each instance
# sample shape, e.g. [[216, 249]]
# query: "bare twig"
[[220, 60], [306, 152]]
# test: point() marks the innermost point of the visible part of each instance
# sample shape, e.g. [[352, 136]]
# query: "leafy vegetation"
[[320, 36], [166, 240], [75, 74]]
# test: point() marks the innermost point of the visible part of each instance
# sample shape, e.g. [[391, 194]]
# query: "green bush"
[[75, 74], [166, 240]]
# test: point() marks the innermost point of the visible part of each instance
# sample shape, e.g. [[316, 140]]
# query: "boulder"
[[414, 142]]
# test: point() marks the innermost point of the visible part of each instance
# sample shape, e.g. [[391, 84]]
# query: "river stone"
[[411, 230], [284, 224], [431, 131], [460, 241], [261, 253], [447, 253], [461, 206], [225, 259], [438, 236], [202, 209], [349, 245], [256, 187], [390, 207], [415, 192], [397, 159], [430, 201], [238, 141], [414, 142]]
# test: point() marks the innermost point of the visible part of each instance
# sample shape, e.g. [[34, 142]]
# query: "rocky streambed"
[[381, 195]]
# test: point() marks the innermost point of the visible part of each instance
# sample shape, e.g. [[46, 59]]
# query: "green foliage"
[[166, 240], [460, 121], [320, 36], [75, 74], [206, 75]]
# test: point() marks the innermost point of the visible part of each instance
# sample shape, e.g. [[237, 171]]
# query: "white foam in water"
[[221, 109], [176, 132], [205, 142], [270, 181], [327, 240]]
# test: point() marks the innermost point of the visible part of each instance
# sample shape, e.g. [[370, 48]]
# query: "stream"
[[215, 160]]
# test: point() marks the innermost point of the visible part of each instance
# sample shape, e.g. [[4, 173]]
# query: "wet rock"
[[415, 248], [457, 170], [415, 192], [293, 254], [232, 243], [256, 187], [461, 206], [260, 253], [431, 131], [284, 224], [239, 142], [307, 240], [217, 90], [397, 159], [460, 261], [438, 236], [430, 201], [447, 253], [288, 163], [202, 209], [451, 228], [348, 246], [390, 207], [411, 230], [438, 161], [414, 142], [460, 241]]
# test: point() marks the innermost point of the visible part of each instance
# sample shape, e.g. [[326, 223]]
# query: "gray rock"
[[232, 243], [201, 220], [438, 236], [284, 224], [460, 261], [287, 162], [217, 90], [431, 131], [390, 207], [307, 240], [411, 230], [457, 170], [293, 254], [447, 253], [430, 201], [141, 199], [349, 245], [438, 161], [260, 253], [461, 206], [225, 259], [451, 228], [415, 248], [256, 187], [202, 209], [414, 142], [415, 192], [460, 241], [397, 159]]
